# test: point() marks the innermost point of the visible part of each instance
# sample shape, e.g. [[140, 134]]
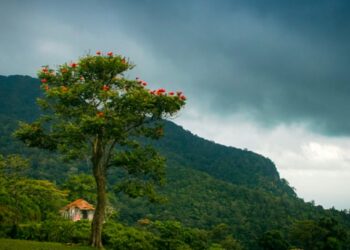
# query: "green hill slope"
[[230, 164]]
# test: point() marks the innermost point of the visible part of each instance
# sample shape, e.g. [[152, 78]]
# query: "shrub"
[[56, 230], [30, 231], [119, 237]]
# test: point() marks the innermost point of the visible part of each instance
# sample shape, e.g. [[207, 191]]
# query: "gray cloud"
[[276, 61]]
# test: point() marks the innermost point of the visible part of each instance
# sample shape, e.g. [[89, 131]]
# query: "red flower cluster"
[[44, 80], [171, 93], [160, 91], [105, 87], [98, 53], [110, 54], [142, 82], [157, 92], [45, 70], [73, 65]]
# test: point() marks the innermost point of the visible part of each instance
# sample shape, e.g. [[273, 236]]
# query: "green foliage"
[[10, 244], [81, 186], [229, 243], [117, 236], [66, 231], [11, 106], [54, 229], [170, 235], [29, 231], [230, 164], [196, 199], [216, 246], [273, 240], [323, 234], [23, 199], [142, 165]]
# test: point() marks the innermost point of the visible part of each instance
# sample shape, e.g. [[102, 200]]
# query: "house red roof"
[[81, 204]]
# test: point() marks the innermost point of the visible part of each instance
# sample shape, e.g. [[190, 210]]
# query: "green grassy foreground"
[[9, 244]]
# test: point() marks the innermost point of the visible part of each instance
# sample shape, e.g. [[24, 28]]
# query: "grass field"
[[9, 244]]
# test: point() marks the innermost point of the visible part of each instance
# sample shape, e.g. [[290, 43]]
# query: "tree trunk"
[[96, 229], [99, 171]]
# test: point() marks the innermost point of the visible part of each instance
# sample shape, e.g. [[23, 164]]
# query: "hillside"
[[17, 102], [207, 183]]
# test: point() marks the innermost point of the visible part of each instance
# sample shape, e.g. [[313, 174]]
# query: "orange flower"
[[45, 70], [64, 70], [105, 88], [46, 87], [100, 114], [123, 61]]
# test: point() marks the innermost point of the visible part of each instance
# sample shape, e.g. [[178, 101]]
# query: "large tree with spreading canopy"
[[91, 110]]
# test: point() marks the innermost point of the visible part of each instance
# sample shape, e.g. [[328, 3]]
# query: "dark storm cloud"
[[276, 61]]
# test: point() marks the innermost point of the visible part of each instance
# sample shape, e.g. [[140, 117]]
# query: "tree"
[[229, 243], [325, 233], [273, 240], [81, 186], [92, 110], [23, 199]]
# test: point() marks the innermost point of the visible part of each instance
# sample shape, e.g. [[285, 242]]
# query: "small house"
[[77, 210]]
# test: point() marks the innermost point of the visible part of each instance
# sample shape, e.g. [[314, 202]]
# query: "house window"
[[85, 214]]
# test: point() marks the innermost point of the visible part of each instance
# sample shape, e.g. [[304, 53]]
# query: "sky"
[[270, 76]]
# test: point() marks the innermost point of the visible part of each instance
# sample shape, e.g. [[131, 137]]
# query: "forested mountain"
[[17, 102], [207, 184]]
